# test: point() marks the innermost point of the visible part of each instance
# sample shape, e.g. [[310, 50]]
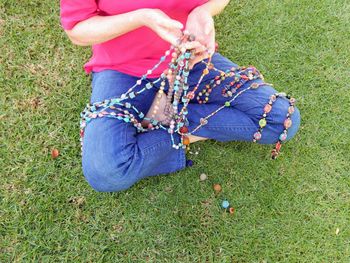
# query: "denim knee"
[[108, 174]]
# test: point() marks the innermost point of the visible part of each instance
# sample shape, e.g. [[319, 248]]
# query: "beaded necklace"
[[177, 76]]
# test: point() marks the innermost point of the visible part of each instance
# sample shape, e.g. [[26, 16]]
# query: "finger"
[[193, 45], [170, 23], [169, 36], [211, 46], [208, 28], [197, 59]]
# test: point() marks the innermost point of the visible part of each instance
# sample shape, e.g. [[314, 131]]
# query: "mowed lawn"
[[294, 209]]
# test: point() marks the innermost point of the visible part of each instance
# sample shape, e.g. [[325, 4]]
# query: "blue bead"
[[225, 204], [189, 163], [132, 95], [162, 58], [141, 115], [115, 101]]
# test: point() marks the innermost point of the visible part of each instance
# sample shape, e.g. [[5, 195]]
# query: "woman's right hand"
[[166, 27]]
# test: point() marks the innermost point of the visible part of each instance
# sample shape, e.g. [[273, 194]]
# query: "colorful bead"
[[262, 123], [203, 177], [291, 109], [203, 121], [184, 129], [189, 163], [231, 210], [217, 188], [267, 108], [287, 123], [257, 136], [225, 204], [186, 140], [283, 137], [55, 153]]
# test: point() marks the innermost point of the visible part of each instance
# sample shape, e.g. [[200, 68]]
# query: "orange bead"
[[217, 188], [55, 153], [205, 71], [287, 123], [186, 140], [267, 108]]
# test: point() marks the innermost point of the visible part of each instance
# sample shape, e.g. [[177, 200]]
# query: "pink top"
[[136, 51]]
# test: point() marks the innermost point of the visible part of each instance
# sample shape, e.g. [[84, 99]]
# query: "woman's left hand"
[[200, 23]]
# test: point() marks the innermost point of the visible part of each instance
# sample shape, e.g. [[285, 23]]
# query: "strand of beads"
[[287, 122], [240, 76]]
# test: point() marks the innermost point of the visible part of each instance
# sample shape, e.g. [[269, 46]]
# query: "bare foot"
[[194, 138], [156, 111]]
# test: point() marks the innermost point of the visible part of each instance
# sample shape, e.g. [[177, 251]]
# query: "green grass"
[[287, 210]]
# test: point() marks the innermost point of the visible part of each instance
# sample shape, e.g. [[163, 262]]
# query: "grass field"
[[294, 209]]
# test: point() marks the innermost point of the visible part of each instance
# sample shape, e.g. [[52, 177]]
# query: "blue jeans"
[[115, 156]]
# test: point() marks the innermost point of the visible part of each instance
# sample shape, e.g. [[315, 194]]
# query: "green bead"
[[227, 104], [262, 123]]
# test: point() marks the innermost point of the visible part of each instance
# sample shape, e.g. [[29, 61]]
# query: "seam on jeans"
[[154, 146], [231, 127]]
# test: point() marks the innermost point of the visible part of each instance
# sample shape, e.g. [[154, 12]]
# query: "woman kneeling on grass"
[[128, 39]]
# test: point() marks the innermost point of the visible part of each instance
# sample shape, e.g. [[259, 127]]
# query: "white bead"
[[203, 177]]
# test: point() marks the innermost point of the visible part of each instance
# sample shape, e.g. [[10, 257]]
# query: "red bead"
[[190, 95], [54, 153], [81, 133], [278, 146], [184, 129], [274, 154]]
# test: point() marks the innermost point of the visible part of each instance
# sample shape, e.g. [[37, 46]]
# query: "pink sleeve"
[[74, 11]]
